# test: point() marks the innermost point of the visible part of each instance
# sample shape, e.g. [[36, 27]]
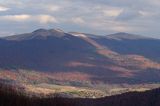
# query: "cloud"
[[52, 8], [121, 28], [3, 34], [128, 15], [2, 8], [43, 19], [110, 26], [78, 20], [15, 17], [112, 12], [91, 16]]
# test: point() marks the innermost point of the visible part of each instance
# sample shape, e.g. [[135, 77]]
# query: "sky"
[[100, 17]]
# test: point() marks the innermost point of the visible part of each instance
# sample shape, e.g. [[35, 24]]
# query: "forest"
[[9, 96]]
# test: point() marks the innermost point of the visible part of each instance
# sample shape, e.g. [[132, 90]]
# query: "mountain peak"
[[38, 34], [124, 35], [43, 33], [50, 32], [56, 30], [39, 30]]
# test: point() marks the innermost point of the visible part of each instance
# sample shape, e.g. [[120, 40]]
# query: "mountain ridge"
[[39, 33], [50, 32], [124, 35], [97, 59]]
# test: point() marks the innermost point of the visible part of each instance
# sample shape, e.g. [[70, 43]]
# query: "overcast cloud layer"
[[91, 16]]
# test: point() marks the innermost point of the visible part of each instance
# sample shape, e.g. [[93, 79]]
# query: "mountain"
[[125, 43], [74, 57], [123, 36], [37, 34], [10, 96]]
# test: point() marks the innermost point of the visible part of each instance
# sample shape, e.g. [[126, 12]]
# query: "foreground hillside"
[[11, 97]]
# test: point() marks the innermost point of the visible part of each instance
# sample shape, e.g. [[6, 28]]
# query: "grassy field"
[[48, 89]]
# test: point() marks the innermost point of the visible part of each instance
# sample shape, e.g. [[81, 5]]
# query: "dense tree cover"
[[11, 97]]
